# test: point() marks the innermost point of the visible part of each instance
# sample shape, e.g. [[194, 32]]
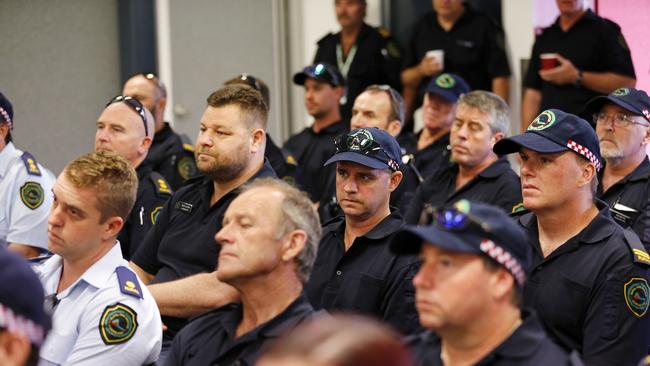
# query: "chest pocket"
[[58, 348], [561, 302], [367, 290]]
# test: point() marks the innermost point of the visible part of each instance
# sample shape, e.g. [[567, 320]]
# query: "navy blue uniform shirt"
[[435, 157]]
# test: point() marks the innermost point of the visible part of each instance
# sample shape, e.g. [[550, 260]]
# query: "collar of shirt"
[[641, 172], [495, 169], [386, 227], [143, 171], [363, 33], [522, 343], [467, 15], [6, 156], [163, 134], [587, 17]]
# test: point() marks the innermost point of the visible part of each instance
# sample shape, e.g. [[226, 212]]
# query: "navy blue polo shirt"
[[434, 157], [367, 279], [527, 345], [590, 292], [210, 339], [497, 185], [182, 241], [629, 201]]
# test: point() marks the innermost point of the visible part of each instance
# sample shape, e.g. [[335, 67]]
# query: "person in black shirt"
[[593, 58], [355, 270], [589, 283], [126, 128], [171, 154], [481, 119], [469, 290], [312, 146], [365, 55], [269, 241], [429, 148], [229, 152]]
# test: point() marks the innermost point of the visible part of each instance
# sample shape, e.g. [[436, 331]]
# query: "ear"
[[4, 131], [394, 128], [294, 243], [14, 348], [146, 144], [587, 174], [258, 139], [502, 283], [113, 225], [646, 137], [162, 103], [339, 90], [497, 136], [395, 180]]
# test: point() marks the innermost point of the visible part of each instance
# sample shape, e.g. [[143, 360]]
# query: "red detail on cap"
[[584, 152], [5, 115], [505, 259]]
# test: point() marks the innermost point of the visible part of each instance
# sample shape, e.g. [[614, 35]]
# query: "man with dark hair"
[[589, 283], [365, 55], [171, 154], [469, 290], [25, 197], [229, 152]]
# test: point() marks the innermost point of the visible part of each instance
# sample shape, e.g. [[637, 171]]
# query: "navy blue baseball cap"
[[6, 111], [555, 131], [630, 99], [22, 299], [474, 228], [449, 86], [321, 71], [371, 147]]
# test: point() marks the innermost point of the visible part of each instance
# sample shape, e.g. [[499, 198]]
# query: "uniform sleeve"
[[146, 257], [398, 305], [175, 355], [30, 202], [497, 60], [614, 53], [642, 225], [532, 79]]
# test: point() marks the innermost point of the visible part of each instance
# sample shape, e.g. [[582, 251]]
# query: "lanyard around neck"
[[344, 67]]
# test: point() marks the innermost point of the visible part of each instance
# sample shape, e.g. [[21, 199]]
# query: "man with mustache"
[[355, 270], [622, 121], [229, 152], [478, 174]]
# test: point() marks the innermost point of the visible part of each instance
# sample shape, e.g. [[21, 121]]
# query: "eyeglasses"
[[156, 80], [361, 142], [396, 99], [321, 69], [135, 105], [448, 218], [251, 81], [620, 120]]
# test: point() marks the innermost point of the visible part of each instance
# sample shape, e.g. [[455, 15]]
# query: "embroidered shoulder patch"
[[32, 195], [636, 296], [117, 324]]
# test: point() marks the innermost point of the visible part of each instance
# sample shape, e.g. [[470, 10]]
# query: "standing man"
[[314, 145], [171, 154], [355, 270], [126, 128], [365, 55], [622, 121], [589, 284], [25, 198], [482, 118], [229, 153], [469, 290], [102, 312], [429, 148], [268, 242], [592, 59]]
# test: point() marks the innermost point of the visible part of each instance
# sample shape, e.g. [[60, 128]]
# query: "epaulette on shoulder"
[[30, 164], [128, 281], [162, 187], [383, 32], [328, 35], [639, 253], [188, 147]]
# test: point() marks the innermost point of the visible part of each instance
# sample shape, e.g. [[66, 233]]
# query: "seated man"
[[623, 126], [102, 312], [25, 198], [469, 290], [268, 242], [482, 119], [355, 270]]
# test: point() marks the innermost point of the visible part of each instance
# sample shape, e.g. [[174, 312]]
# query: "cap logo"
[[504, 258], [584, 152], [445, 81], [462, 206], [359, 140], [542, 122], [621, 92]]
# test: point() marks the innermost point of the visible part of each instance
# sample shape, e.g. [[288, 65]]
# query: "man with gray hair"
[[478, 174], [269, 240]]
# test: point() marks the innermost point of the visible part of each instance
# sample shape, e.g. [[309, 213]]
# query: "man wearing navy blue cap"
[[589, 284], [469, 288], [324, 87], [429, 148], [622, 121], [355, 270]]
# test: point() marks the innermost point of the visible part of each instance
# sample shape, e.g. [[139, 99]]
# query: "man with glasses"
[[171, 154], [324, 87], [589, 283], [355, 270], [478, 174], [622, 121], [126, 127], [469, 290]]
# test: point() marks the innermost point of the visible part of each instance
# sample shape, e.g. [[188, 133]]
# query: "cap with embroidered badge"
[[6, 111], [474, 228], [371, 147], [321, 71], [630, 99], [555, 131], [448, 86]]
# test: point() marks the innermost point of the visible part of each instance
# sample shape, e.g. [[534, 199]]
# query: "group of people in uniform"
[[355, 242]]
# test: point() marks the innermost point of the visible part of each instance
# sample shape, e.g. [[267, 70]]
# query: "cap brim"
[[595, 104], [448, 96], [411, 238], [529, 140], [357, 158], [299, 78]]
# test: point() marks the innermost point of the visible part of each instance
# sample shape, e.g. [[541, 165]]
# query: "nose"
[[101, 135], [204, 139], [223, 236], [350, 185], [422, 279], [55, 216]]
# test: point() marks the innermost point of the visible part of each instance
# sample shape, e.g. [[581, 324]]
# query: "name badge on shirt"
[[623, 214], [184, 207]]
